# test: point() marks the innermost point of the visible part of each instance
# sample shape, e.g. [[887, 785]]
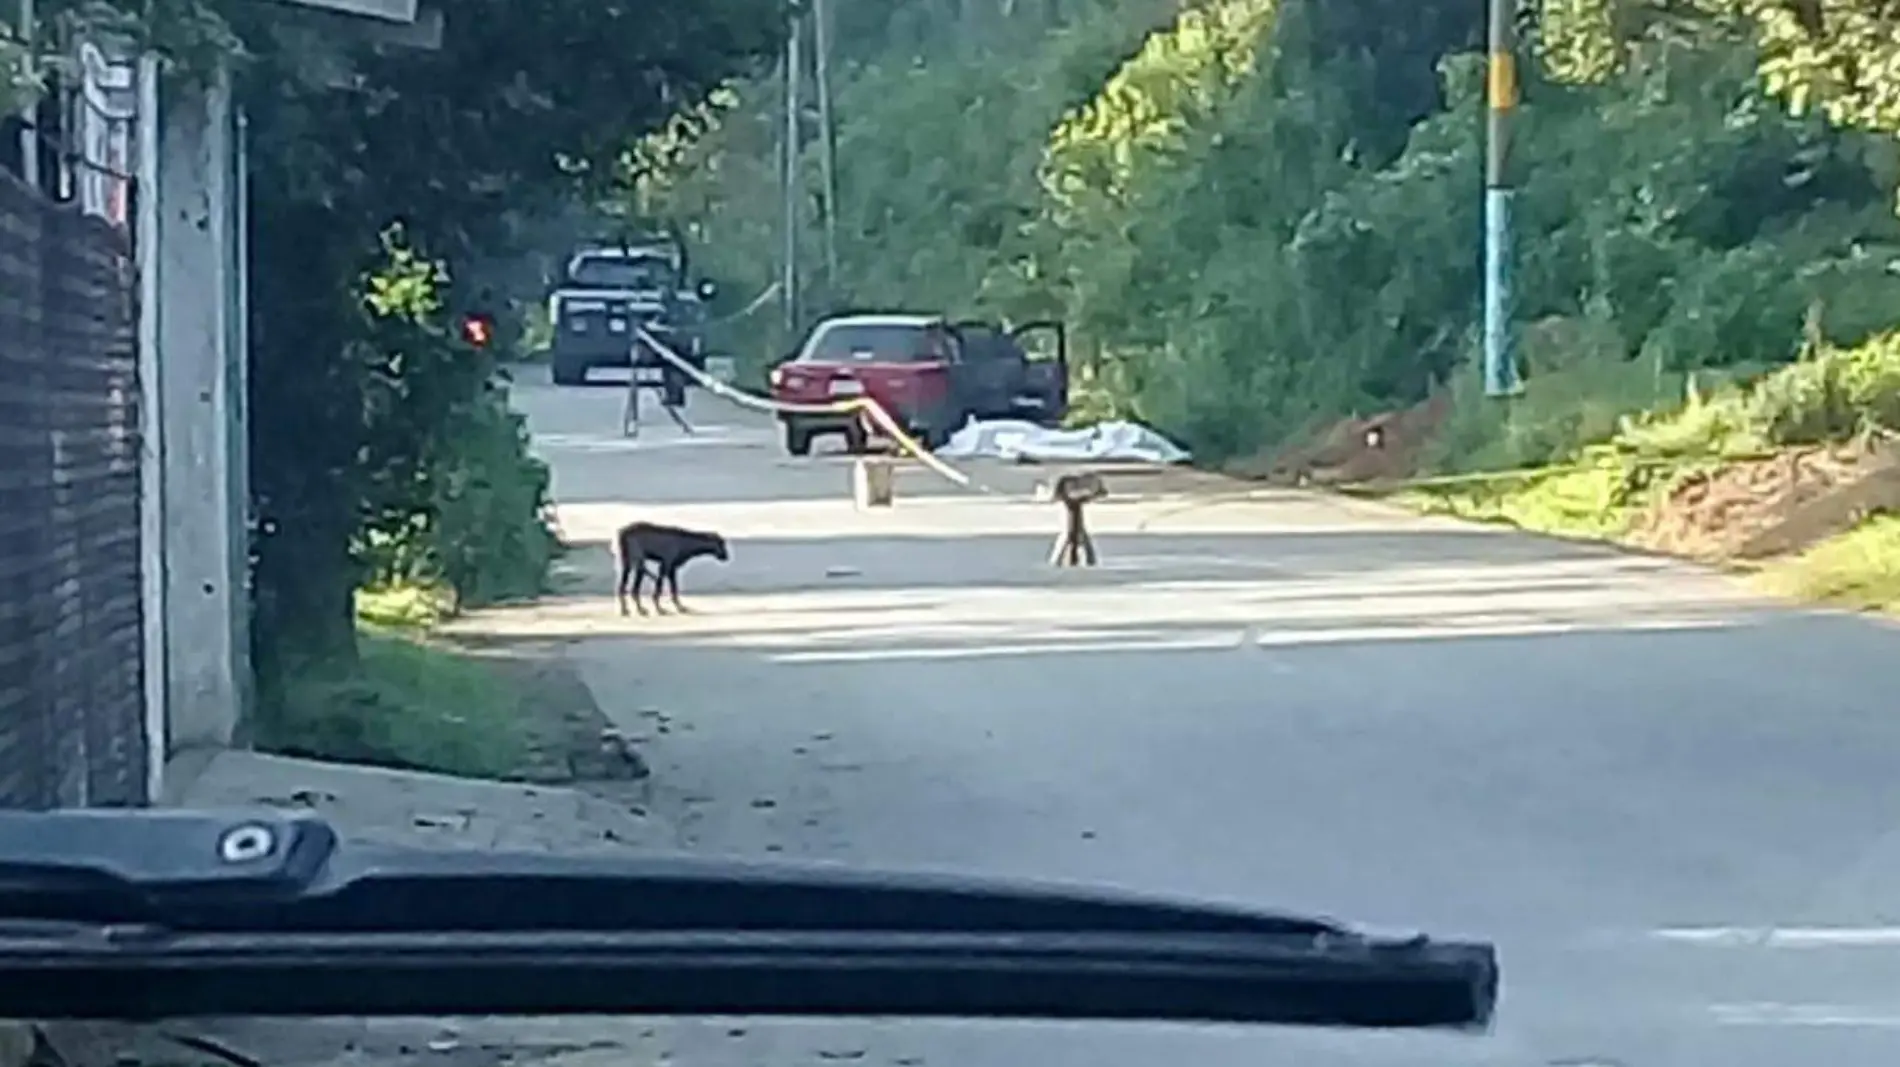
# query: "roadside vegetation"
[[1859, 569], [409, 701], [1259, 218], [1608, 488], [418, 697], [383, 451]]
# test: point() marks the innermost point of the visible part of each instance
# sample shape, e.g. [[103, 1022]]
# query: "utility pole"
[[1500, 350], [827, 140], [794, 62], [29, 128]]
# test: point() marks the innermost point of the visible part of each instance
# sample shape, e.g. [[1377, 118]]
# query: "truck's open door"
[[1046, 388]]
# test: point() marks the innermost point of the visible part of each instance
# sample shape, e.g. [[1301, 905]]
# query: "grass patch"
[[1599, 496], [1565, 504], [1604, 490], [408, 702], [1627, 462], [404, 607], [412, 700], [1859, 569]]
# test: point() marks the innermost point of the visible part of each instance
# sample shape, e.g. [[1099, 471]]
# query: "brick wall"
[[71, 676]]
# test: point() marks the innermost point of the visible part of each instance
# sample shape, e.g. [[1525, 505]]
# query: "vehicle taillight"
[[478, 329], [778, 377]]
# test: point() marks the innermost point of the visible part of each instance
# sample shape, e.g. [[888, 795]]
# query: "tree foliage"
[[1840, 57], [19, 83], [1262, 214], [382, 447]]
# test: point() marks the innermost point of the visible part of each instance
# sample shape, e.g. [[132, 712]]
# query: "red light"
[[477, 330]]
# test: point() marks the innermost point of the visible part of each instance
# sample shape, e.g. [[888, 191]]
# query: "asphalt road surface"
[[1614, 766]]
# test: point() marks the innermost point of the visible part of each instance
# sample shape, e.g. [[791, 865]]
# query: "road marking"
[[702, 436], [1772, 1013], [1429, 627], [1792, 937], [1226, 640]]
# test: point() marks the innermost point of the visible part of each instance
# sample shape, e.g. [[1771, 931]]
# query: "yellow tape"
[[864, 404], [1502, 81]]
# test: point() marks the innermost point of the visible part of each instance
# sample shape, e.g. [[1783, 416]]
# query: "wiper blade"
[[146, 915]]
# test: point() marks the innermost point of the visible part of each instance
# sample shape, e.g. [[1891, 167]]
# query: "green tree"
[[1259, 215], [380, 443]]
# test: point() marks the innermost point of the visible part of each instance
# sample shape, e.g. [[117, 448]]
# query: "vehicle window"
[[1038, 345], [990, 346], [867, 343], [615, 272]]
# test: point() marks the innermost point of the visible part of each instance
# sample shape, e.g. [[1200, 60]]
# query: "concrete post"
[[873, 482], [238, 408], [198, 396], [151, 433]]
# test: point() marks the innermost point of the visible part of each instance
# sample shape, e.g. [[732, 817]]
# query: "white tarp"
[[1104, 442]]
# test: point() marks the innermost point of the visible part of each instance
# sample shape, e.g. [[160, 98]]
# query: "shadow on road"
[[1471, 559], [865, 598]]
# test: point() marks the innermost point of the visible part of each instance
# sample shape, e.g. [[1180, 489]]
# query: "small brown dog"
[[670, 548], [1074, 492]]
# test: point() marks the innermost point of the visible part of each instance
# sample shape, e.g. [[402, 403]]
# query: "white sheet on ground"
[[1108, 441]]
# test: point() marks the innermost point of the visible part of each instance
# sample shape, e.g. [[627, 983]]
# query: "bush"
[[1598, 490], [454, 498], [1832, 398], [405, 607], [490, 540], [454, 514], [1859, 569]]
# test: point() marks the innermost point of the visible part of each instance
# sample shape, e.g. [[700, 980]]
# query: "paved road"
[[1594, 759]]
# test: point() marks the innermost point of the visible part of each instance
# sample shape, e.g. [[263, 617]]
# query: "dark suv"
[[607, 294]]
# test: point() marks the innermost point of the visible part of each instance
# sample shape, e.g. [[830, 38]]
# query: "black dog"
[[670, 548]]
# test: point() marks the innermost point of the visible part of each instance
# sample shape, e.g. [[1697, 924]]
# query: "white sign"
[[382, 10]]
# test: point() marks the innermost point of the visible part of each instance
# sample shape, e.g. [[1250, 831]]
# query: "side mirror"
[[706, 290]]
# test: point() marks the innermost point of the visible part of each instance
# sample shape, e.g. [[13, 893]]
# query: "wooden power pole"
[[788, 282], [827, 140]]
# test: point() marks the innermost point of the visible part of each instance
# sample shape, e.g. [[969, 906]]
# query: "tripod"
[[672, 386]]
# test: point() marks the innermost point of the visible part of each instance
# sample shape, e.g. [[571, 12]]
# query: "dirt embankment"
[[1744, 510], [1383, 447], [1763, 508]]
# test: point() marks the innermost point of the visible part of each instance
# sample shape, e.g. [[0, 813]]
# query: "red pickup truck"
[[931, 374]]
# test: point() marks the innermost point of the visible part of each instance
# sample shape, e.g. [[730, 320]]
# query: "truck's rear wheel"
[[939, 433], [569, 371], [797, 438]]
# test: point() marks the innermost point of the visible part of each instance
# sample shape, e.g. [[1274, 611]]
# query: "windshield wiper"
[[147, 915]]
